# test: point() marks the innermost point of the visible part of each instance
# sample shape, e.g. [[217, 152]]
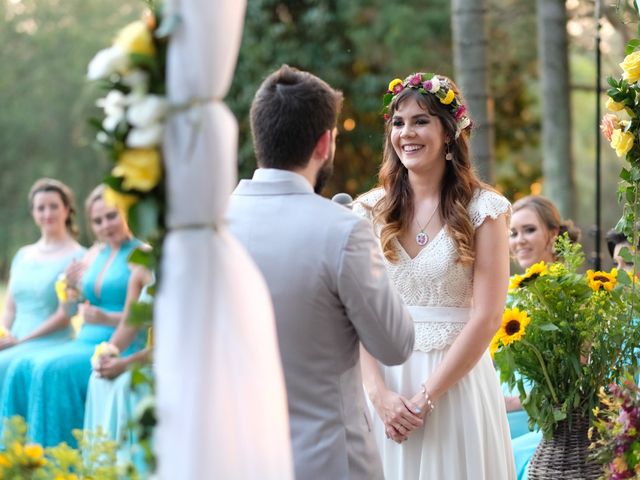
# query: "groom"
[[325, 274]]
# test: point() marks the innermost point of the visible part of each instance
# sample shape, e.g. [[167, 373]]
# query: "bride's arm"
[[395, 411], [490, 282]]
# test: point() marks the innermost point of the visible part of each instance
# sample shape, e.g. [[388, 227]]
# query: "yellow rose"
[[393, 83], [4, 461], [135, 38], [621, 142], [34, 451], [631, 67], [140, 168], [613, 105], [121, 201], [448, 98]]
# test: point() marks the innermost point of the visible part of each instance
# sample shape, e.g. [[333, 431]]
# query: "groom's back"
[[302, 243]]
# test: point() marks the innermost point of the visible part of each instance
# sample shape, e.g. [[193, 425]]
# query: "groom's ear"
[[323, 147]]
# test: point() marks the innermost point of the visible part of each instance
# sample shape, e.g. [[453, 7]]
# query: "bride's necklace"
[[421, 237]]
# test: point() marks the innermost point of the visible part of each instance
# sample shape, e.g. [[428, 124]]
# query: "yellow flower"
[[631, 67], [536, 270], [121, 201], [136, 38], [4, 461], [621, 141], [150, 337], [614, 106], [61, 288], [514, 323], [598, 280], [515, 281], [448, 98], [495, 344], [140, 167], [34, 455], [3, 331], [619, 465], [393, 83]]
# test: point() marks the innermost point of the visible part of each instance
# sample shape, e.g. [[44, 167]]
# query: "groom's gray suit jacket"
[[330, 292]]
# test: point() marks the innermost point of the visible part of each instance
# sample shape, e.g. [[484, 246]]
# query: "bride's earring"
[[448, 156]]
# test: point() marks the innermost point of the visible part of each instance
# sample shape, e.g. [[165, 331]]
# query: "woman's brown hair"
[[394, 212]]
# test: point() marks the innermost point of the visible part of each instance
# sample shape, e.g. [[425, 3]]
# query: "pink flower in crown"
[[462, 109], [415, 80], [398, 88], [427, 85]]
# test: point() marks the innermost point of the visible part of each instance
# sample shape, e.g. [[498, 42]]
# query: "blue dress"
[[33, 292], [111, 403], [49, 388]]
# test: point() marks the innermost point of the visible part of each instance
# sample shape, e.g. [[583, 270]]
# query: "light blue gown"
[[523, 441], [111, 404], [32, 288], [49, 388]]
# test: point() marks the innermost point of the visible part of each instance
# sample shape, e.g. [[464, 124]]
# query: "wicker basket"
[[565, 455]]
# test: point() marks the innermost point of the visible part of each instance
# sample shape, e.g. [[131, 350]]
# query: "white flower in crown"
[[145, 137], [462, 124], [147, 110], [107, 62], [435, 84]]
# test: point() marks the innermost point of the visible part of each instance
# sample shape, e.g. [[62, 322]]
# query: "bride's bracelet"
[[427, 398]]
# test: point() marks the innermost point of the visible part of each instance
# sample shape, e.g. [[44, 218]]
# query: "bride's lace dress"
[[467, 435]]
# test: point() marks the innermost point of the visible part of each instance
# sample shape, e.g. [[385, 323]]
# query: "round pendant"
[[422, 239]]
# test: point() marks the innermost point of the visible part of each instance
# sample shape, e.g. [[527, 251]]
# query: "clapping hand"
[[73, 273], [399, 415]]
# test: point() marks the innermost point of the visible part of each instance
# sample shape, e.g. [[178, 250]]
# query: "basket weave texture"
[[565, 455]]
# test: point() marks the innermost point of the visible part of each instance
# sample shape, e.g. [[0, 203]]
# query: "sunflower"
[[515, 281], [600, 279], [514, 323], [495, 344], [534, 271]]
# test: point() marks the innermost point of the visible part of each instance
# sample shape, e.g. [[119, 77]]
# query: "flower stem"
[[544, 369]]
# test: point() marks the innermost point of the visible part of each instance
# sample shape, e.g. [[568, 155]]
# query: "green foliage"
[[581, 336]]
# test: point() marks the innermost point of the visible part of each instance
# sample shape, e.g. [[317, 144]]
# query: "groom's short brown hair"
[[289, 113]]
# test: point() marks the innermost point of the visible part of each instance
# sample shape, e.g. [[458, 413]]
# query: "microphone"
[[343, 199]]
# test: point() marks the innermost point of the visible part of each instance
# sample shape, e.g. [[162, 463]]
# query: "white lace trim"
[[434, 278], [435, 336]]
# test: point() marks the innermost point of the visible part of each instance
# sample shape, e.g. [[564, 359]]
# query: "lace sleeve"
[[486, 203], [364, 203]]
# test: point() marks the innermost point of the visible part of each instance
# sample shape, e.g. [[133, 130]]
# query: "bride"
[[445, 241]]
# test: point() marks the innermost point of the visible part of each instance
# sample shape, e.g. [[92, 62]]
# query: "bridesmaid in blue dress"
[[32, 316], [535, 224], [111, 402], [49, 388]]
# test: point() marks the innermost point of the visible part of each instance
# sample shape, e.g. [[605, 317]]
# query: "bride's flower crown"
[[430, 84]]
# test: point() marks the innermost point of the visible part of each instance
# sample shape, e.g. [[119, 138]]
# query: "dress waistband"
[[422, 314]]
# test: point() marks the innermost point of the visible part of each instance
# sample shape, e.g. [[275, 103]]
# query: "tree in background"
[[470, 58], [553, 54]]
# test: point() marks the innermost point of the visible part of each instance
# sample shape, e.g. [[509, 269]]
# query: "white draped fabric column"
[[220, 390]]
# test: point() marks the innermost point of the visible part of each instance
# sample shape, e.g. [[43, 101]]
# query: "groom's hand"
[[398, 414]]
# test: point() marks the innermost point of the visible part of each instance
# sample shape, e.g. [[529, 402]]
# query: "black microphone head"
[[343, 199]]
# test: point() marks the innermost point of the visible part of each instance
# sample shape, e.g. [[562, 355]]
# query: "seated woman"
[[49, 387], [110, 400], [535, 225], [32, 318]]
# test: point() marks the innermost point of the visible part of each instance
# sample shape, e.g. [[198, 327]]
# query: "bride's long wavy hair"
[[394, 212]]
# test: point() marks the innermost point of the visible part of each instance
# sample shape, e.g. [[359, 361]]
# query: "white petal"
[[149, 110], [111, 122], [107, 62], [145, 137]]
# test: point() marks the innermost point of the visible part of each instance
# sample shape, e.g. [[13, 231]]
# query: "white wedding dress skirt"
[[466, 437]]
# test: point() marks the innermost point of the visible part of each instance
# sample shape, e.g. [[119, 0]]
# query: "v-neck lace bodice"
[[434, 277]]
